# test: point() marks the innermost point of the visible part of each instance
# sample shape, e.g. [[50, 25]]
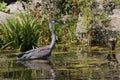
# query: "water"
[[60, 66]]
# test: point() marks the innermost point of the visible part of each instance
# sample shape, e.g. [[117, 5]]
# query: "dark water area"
[[60, 66]]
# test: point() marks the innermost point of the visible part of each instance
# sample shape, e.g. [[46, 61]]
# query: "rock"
[[13, 8], [11, 1], [115, 20], [21, 6], [8, 1], [4, 17], [80, 29], [16, 7]]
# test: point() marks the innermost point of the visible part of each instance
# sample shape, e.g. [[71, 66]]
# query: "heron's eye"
[[54, 22], [38, 5]]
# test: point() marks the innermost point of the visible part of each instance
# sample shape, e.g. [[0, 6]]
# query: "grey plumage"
[[43, 52]]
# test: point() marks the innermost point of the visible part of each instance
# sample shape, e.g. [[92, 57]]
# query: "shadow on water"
[[45, 67], [11, 69], [60, 66]]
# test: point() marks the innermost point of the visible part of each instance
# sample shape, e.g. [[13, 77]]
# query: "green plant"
[[1, 41], [2, 6], [22, 33]]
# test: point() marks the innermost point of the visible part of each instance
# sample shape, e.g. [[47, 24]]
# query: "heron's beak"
[[61, 23]]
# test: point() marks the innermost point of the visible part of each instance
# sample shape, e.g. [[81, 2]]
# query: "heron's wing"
[[25, 53], [41, 52], [36, 53]]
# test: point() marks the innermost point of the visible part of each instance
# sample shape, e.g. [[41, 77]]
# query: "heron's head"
[[54, 22], [60, 22]]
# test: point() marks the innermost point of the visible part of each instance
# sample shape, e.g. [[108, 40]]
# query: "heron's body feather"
[[43, 52]]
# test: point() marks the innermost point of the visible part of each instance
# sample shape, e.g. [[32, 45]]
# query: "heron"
[[42, 52]]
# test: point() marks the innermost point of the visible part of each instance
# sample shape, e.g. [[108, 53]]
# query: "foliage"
[[117, 2], [49, 13], [21, 33], [92, 17], [95, 20], [2, 6], [97, 48], [1, 41], [118, 43]]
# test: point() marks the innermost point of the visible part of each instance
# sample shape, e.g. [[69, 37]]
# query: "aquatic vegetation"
[[97, 48]]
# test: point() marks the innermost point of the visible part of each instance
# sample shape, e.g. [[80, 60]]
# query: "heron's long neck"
[[53, 36]]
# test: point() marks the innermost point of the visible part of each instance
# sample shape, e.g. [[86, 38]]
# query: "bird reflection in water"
[[40, 65]]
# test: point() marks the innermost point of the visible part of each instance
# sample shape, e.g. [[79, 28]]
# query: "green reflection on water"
[[60, 66]]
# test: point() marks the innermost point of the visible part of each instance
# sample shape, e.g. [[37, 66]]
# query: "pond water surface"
[[60, 66]]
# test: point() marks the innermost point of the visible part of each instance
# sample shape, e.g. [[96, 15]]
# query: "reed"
[[21, 33]]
